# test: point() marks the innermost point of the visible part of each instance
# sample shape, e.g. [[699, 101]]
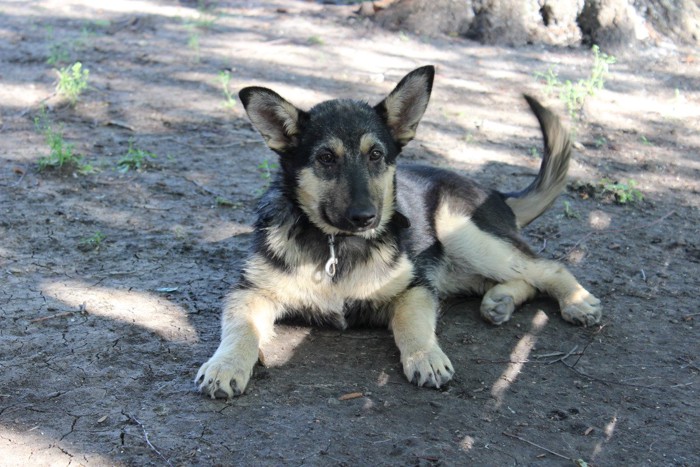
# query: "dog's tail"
[[531, 202]]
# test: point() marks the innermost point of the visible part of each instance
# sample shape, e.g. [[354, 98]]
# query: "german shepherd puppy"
[[345, 236]]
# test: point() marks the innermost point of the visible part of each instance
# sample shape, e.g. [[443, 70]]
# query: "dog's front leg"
[[413, 323], [247, 322]]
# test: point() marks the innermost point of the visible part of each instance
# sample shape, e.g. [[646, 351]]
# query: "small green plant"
[[315, 40], [534, 153], [135, 159], [58, 53], [193, 40], [72, 81], [266, 169], [623, 193], [61, 154], [600, 141], [225, 202], [92, 242], [206, 17], [569, 212], [574, 95], [225, 80], [645, 141]]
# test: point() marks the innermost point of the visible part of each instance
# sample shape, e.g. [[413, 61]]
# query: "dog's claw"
[[429, 368], [226, 378], [585, 312]]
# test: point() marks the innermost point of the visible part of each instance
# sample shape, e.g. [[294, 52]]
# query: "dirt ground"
[[112, 282]]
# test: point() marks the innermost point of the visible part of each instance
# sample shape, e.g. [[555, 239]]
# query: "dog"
[[345, 236]]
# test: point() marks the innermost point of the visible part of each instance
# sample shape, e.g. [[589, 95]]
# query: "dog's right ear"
[[276, 119]]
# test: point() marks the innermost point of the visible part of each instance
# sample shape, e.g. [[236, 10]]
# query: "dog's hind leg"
[[248, 321], [500, 301], [578, 306], [500, 260], [413, 324]]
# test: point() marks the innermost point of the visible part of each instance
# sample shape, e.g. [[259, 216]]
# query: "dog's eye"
[[375, 155], [326, 157]]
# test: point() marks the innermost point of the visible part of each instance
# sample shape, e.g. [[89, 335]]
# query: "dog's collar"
[[332, 263]]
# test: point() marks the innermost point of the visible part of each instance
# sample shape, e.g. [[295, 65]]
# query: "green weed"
[[569, 212], [623, 193], [135, 159], [193, 40], [225, 202], [225, 80], [600, 141], [72, 81], [61, 153], [315, 40], [93, 242], [574, 95], [645, 141], [266, 169], [58, 53], [206, 17], [535, 153]]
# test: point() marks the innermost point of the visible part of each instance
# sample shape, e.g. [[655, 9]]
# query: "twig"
[[202, 187], [561, 359], [536, 445], [46, 318], [145, 435], [580, 355], [544, 246], [618, 383], [605, 232]]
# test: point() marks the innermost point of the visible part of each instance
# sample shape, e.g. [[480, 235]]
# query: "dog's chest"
[[306, 284]]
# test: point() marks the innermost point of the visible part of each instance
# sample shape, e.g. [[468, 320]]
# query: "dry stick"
[[536, 445], [605, 232], [145, 435], [46, 318]]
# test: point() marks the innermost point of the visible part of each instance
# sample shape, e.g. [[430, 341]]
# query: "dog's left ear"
[[277, 120], [404, 107]]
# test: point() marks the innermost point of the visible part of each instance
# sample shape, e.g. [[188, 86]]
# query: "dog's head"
[[339, 158]]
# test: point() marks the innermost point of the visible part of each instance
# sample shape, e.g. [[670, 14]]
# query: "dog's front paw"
[[223, 377], [584, 310], [497, 308], [429, 368]]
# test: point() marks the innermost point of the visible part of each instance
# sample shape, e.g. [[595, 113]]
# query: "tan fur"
[[337, 146], [413, 324], [247, 322], [308, 286], [405, 109], [501, 262], [367, 142], [276, 136]]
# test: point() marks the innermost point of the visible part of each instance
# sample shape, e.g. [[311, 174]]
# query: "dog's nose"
[[362, 216]]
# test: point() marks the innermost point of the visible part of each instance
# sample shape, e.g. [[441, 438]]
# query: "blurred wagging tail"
[[345, 236]]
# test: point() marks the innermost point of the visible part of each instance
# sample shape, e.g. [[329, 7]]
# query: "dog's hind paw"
[[497, 308], [585, 310], [430, 368], [222, 378]]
